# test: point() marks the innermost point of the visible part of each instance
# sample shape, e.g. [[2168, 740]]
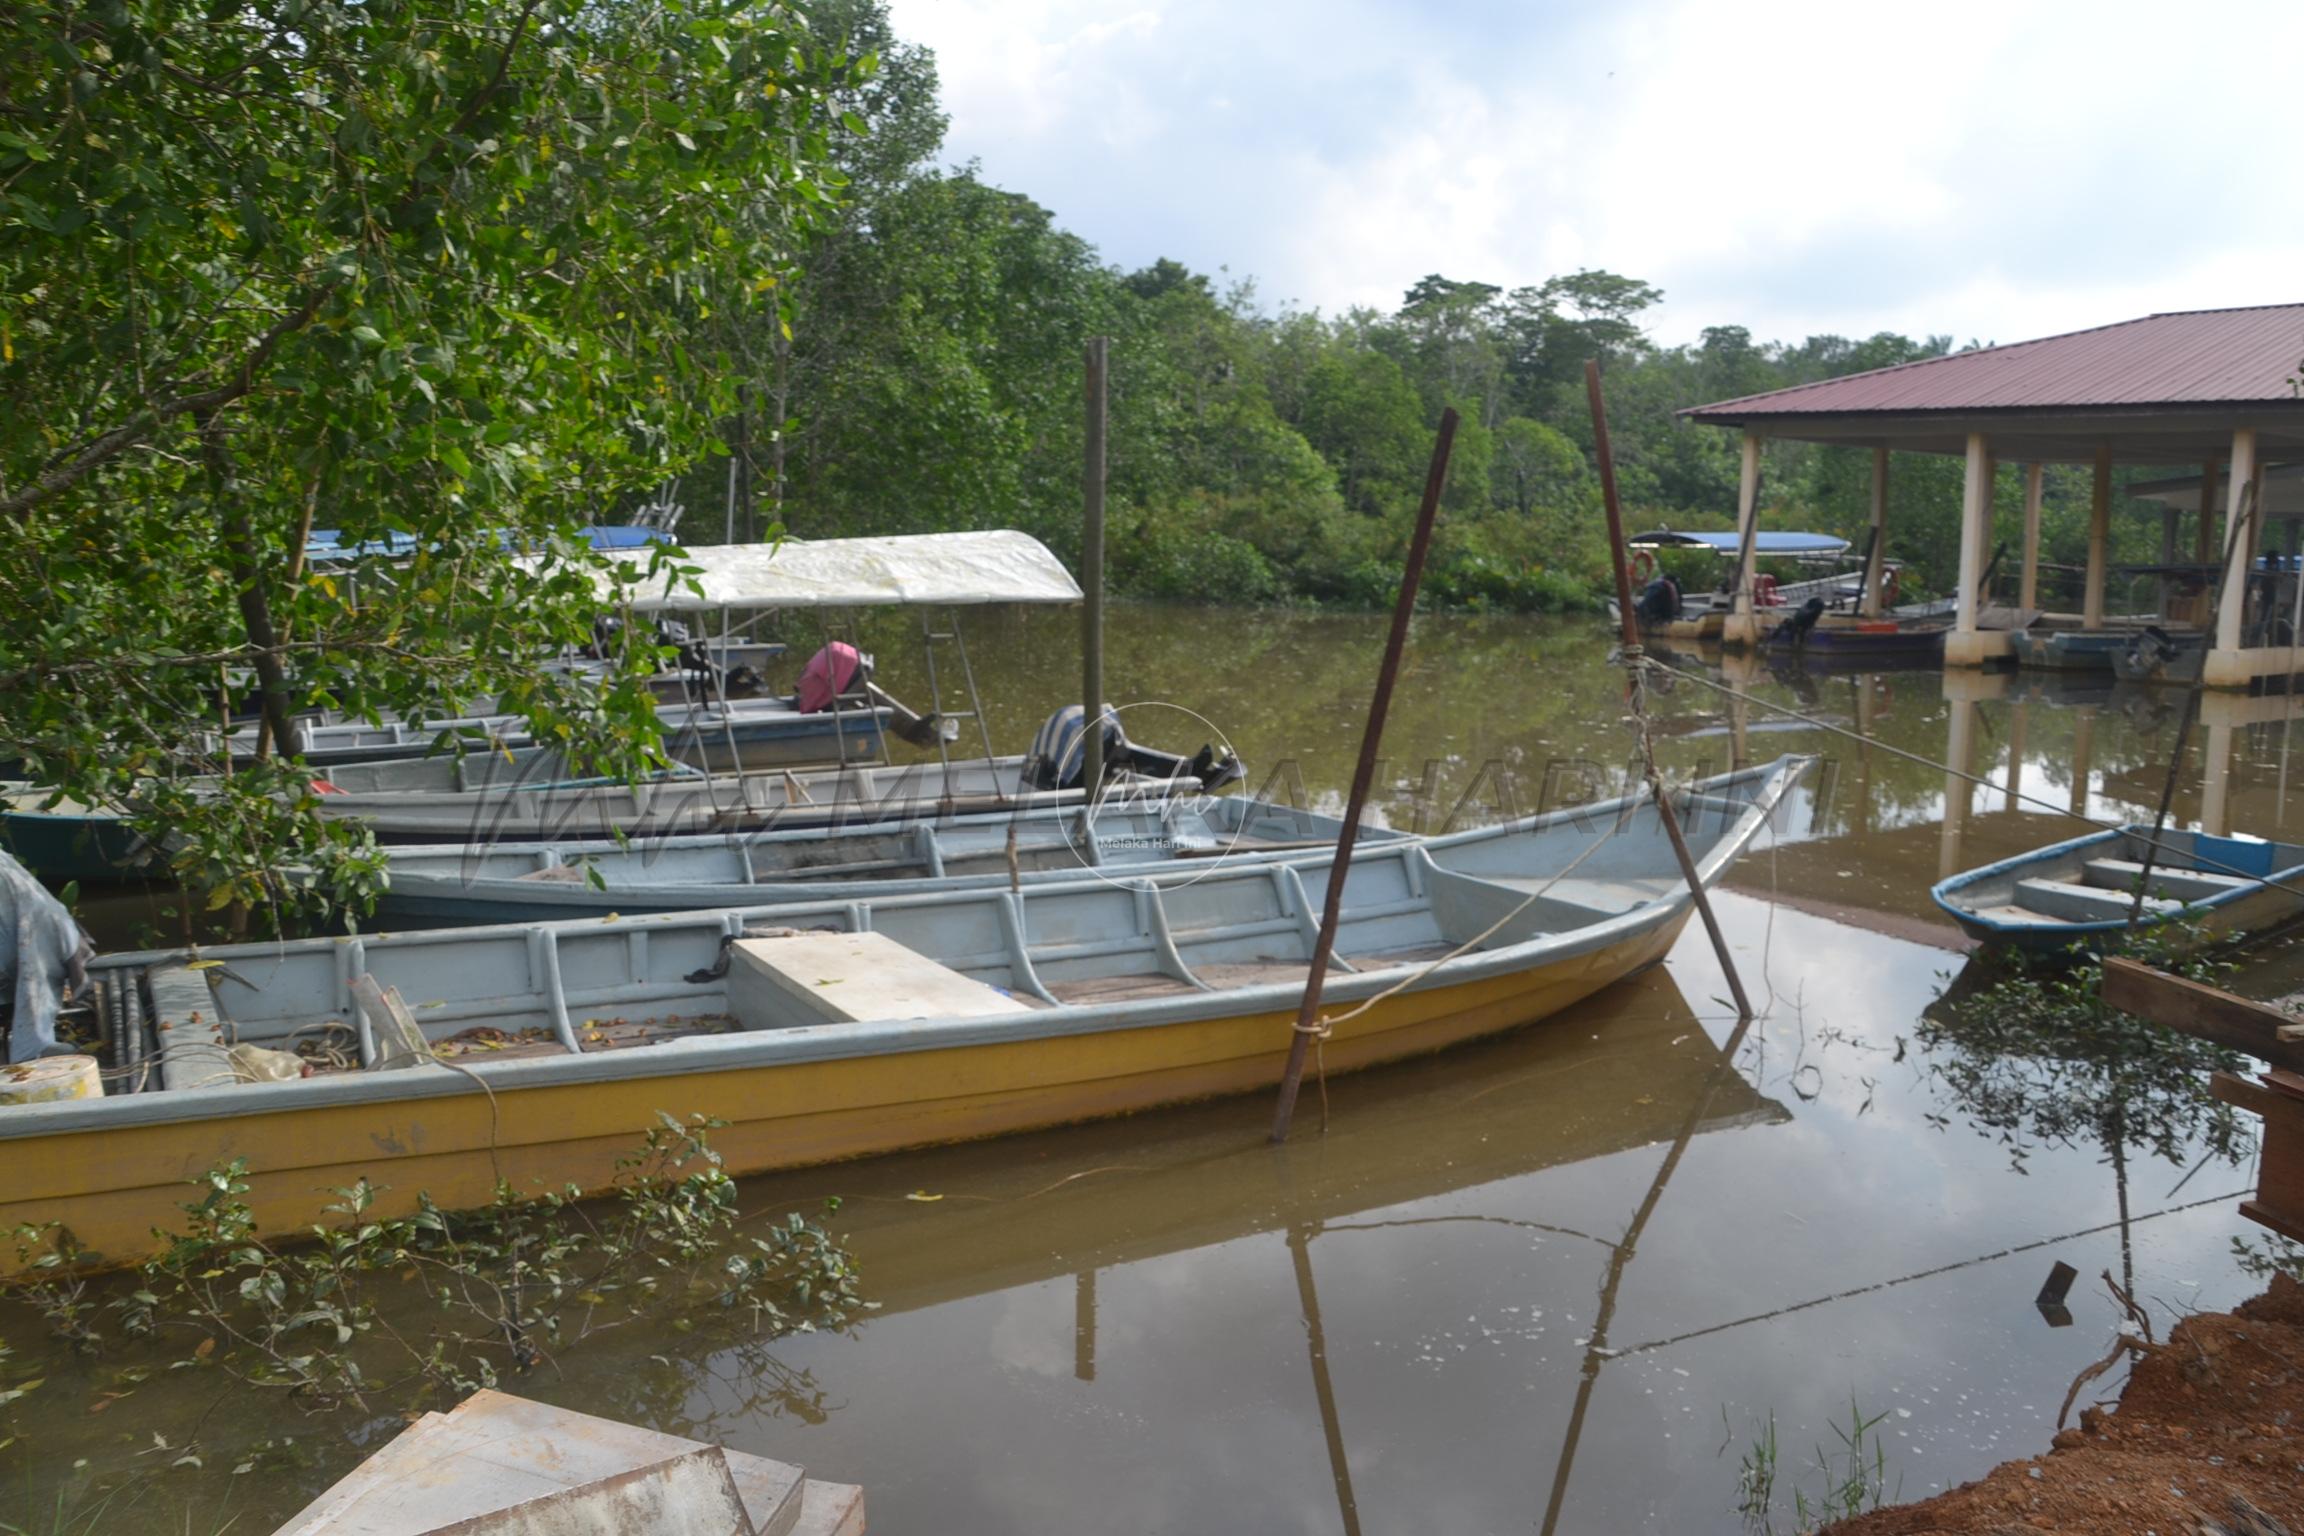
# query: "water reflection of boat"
[[834, 1029], [2081, 893], [1193, 1177]]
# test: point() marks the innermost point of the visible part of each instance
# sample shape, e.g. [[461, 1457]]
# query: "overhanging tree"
[[425, 268]]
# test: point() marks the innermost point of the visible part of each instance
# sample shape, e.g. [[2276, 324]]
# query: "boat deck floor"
[[1225, 976], [487, 1042]]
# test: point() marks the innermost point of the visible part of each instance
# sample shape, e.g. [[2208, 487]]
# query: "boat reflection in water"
[[1403, 1146]]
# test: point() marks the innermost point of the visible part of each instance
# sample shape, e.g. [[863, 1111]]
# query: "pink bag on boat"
[[829, 673]]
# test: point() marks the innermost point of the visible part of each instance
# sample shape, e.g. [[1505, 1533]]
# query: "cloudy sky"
[[1990, 168]]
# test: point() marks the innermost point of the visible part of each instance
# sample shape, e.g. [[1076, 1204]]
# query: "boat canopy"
[[996, 565], [1727, 541]]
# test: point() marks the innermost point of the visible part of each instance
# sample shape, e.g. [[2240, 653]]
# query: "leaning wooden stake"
[[1363, 774], [1635, 693], [1092, 764]]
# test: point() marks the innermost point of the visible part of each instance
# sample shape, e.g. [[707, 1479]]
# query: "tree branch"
[[76, 465]]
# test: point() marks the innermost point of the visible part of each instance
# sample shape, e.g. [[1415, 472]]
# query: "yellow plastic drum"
[[50, 1079]]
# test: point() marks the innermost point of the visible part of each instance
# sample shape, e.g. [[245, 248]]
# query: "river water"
[[1557, 1281]]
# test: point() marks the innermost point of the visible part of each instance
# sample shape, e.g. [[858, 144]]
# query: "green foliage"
[[432, 270], [1852, 1475], [372, 1312], [2036, 1055]]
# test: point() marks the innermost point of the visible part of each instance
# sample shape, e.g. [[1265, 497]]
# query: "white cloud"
[[1987, 169]]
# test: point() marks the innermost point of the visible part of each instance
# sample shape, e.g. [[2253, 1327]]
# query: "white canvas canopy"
[[997, 565]]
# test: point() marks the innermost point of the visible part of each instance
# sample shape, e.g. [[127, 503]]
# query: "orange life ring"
[[1643, 566], [1764, 592]]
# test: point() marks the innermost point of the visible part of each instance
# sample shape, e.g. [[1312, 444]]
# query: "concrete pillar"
[[2028, 590], [1959, 793], [2234, 597], [2216, 772], [1879, 559], [2099, 539], [1965, 647], [2204, 526], [2018, 719], [2166, 584], [1742, 626], [2083, 757]]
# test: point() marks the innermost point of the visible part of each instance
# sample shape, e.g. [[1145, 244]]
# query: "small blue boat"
[[2078, 894]]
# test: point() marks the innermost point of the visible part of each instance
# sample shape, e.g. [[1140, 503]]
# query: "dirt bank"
[[2208, 1440]]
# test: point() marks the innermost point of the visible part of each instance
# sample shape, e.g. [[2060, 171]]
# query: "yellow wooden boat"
[[836, 1029]]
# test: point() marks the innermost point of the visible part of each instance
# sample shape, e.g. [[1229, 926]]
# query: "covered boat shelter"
[[2210, 390]]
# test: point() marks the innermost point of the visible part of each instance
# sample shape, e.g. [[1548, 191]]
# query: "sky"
[[1994, 171]]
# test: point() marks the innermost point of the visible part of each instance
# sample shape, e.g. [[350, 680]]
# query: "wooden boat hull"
[[1846, 641], [112, 1188], [1147, 995]]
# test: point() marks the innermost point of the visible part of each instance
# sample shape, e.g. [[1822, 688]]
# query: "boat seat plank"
[[848, 978], [193, 1053], [2067, 902], [2188, 884]]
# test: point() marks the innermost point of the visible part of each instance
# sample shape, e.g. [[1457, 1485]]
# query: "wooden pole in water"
[[1364, 774], [1632, 653], [1092, 579]]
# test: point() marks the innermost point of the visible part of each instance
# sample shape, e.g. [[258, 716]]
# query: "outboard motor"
[[1058, 754], [1794, 630], [837, 669], [605, 628], [1659, 601], [2151, 651]]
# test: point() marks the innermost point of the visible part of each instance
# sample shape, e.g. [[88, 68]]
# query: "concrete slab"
[[495, 1455]]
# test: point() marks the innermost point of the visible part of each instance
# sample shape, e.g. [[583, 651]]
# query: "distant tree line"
[[931, 380]]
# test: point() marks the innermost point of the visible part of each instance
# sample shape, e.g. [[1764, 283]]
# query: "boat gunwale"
[[797, 1044]]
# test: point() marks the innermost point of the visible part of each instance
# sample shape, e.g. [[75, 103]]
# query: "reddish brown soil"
[[2208, 1439]]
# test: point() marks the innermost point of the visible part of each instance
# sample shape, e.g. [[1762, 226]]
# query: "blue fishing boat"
[[2080, 894]]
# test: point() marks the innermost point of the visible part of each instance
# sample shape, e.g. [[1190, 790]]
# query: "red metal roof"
[[2200, 357]]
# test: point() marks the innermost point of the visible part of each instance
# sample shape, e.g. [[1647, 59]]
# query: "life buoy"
[[1888, 587], [1764, 592], [1643, 566]]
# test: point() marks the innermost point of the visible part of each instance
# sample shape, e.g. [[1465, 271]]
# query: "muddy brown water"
[[1556, 1281]]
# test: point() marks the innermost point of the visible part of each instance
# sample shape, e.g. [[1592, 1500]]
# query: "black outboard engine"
[[1659, 601], [2151, 651], [1058, 753], [695, 656], [605, 629], [1794, 630]]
